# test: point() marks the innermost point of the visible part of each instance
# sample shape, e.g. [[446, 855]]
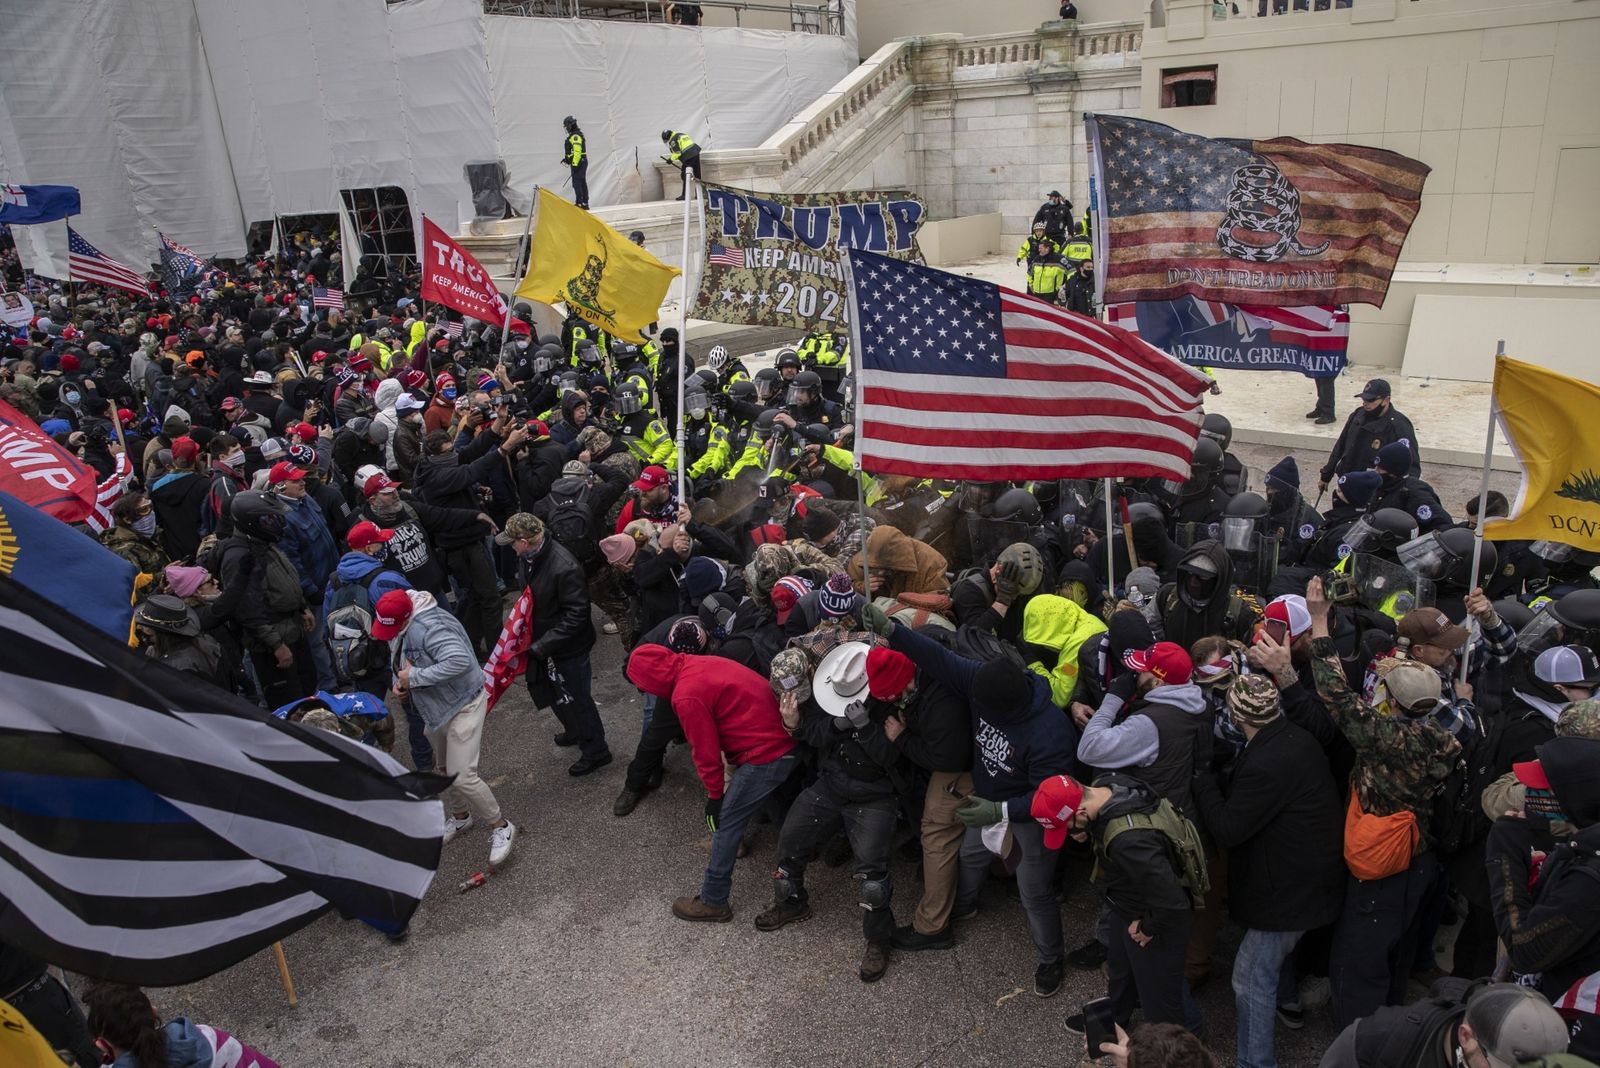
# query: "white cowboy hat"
[[841, 678]]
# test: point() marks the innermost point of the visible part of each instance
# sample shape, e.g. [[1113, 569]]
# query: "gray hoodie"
[[1133, 743], [445, 675]]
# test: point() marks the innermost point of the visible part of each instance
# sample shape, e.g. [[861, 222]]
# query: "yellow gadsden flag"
[[1553, 423], [579, 261]]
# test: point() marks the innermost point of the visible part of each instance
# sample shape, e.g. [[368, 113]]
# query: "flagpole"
[[1483, 503], [689, 184], [519, 268], [857, 442], [1111, 544], [283, 973]]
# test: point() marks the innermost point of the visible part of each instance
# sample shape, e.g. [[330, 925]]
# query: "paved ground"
[[569, 955]]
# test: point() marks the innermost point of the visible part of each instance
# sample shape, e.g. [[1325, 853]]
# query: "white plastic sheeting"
[[199, 117], [626, 82], [114, 99]]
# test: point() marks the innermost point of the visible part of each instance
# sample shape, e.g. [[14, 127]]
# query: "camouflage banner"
[[774, 259]]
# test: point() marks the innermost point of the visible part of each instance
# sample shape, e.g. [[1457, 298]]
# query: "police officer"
[[575, 155], [1289, 516], [1056, 214], [574, 332], [1077, 292], [1038, 247], [788, 365], [1078, 250], [1219, 429], [683, 153], [725, 369], [1045, 279], [656, 444], [806, 404], [1400, 490], [1370, 427]]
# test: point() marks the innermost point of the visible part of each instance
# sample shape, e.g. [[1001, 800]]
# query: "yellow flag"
[[1553, 423], [580, 261], [20, 1045]]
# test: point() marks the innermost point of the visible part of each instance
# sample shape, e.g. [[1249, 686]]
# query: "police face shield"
[[1239, 533], [1543, 632], [627, 403], [989, 537], [766, 389], [567, 384], [1426, 556], [1386, 587], [1362, 537], [1551, 552], [697, 404], [800, 397], [542, 364]]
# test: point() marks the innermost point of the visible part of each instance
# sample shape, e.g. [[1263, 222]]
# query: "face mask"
[[448, 394], [145, 525], [72, 397], [236, 461]]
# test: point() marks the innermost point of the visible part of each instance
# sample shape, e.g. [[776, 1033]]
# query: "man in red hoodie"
[[726, 710]]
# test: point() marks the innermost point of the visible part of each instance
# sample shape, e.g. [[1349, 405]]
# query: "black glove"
[[1123, 686], [1008, 583], [713, 812]]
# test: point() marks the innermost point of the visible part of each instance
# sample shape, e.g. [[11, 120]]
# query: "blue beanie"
[[702, 576], [1395, 458], [1285, 473], [837, 596], [1359, 487]]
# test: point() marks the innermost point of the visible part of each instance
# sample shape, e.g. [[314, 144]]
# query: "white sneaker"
[[500, 843], [608, 627], [454, 825]]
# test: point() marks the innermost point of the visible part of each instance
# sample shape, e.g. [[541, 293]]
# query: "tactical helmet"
[[263, 516], [666, 135], [589, 354], [808, 380], [1579, 609], [1394, 527], [551, 340], [570, 123], [767, 384], [743, 390], [1446, 557], [1018, 505], [627, 400], [695, 402], [787, 358], [704, 378], [1204, 469], [1218, 429], [765, 422], [1242, 517], [569, 381], [717, 358], [637, 237]]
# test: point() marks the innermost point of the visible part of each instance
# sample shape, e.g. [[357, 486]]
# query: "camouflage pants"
[[606, 593]]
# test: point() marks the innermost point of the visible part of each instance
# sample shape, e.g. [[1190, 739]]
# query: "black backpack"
[[1399, 1036], [1458, 819], [571, 524], [354, 652]]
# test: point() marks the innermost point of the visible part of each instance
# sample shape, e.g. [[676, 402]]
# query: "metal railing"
[[823, 16]]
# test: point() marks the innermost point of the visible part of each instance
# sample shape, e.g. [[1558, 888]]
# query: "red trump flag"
[[34, 469], [452, 277]]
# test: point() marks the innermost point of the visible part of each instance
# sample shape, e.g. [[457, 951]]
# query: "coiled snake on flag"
[[1262, 201]]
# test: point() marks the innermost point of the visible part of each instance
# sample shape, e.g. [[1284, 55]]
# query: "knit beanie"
[[837, 596], [888, 673], [687, 636], [1395, 458], [1285, 474], [1002, 686], [1359, 487], [818, 522], [703, 575]]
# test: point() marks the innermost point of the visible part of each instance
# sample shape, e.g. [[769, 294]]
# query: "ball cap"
[[1375, 388], [1514, 1023], [366, 534], [1429, 626], [391, 614], [1568, 665], [377, 484], [1167, 661], [284, 471], [1055, 802], [1291, 611], [651, 477]]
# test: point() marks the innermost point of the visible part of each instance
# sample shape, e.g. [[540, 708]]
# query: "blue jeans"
[[319, 650], [749, 787], [1256, 973]]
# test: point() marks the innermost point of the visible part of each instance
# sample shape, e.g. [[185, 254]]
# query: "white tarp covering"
[[200, 124], [626, 82]]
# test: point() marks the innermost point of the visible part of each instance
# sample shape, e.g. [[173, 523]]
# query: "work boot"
[[1089, 955], [792, 910], [566, 739], [696, 911], [626, 801], [1323, 420], [874, 962], [585, 765], [912, 940], [1047, 979]]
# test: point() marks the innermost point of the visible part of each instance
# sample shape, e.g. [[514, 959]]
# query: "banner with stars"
[[775, 259]]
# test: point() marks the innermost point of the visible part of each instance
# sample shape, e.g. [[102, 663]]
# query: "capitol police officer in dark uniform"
[[1370, 427], [1056, 214], [1410, 495]]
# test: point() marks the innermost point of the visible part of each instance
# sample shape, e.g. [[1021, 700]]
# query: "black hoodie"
[[1221, 614]]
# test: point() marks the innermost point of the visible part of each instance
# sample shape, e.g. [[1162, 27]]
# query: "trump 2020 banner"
[[1277, 222], [1209, 333], [774, 259]]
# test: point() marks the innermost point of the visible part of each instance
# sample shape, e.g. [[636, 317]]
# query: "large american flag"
[[85, 263], [963, 379], [322, 297], [1277, 222]]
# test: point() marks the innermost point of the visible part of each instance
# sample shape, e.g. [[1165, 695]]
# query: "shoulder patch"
[[1424, 512], [1344, 551], [1306, 531]]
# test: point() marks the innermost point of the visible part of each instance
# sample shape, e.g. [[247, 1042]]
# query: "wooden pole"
[[283, 974]]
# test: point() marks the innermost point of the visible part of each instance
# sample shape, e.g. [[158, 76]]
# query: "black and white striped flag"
[[155, 829]]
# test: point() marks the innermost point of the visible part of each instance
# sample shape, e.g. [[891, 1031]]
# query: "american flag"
[[727, 257], [85, 263], [450, 329], [107, 493], [963, 379], [1316, 327], [182, 252], [1276, 222], [322, 297]]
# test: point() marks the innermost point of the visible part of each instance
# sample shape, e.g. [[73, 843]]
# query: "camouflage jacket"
[[1400, 763], [142, 553]]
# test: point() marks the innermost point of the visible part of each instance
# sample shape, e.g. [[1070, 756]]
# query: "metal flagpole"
[[857, 442], [689, 202], [524, 252], [1111, 544], [1483, 503]]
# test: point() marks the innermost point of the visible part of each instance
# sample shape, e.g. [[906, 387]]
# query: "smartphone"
[[1098, 1025]]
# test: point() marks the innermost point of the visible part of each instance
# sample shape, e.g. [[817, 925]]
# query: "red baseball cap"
[[185, 448], [1531, 773], [229, 403], [651, 477], [366, 534], [390, 615], [319, 356], [127, 416], [1167, 661], [304, 431], [377, 484], [69, 362], [284, 471], [1055, 802]]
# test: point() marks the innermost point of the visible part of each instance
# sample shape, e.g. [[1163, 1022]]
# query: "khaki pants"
[[941, 850], [455, 752]]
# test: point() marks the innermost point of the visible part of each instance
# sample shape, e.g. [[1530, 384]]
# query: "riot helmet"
[[1445, 556], [545, 358], [1382, 531], [1019, 506], [1551, 552], [805, 389], [1218, 429], [627, 401], [568, 382], [1244, 517], [743, 390], [1204, 469], [589, 354], [570, 123], [765, 424], [263, 516], [695, 402], [787, 360], [666, 135], [767, 384]]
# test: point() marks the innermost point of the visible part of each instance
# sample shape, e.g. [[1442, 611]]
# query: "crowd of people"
[[1323, 728]]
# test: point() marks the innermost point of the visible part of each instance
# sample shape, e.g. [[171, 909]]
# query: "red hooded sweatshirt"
[[724, 708]]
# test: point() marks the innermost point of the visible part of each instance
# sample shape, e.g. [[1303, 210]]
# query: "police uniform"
[[1417, 499], [1057, 218], [575, 154], [1035, 249], [1363, 435], [685, 153], [1045, 279]]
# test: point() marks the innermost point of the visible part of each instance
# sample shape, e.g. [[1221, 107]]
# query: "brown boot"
[[696, 911], [874, 962], [786, 912]]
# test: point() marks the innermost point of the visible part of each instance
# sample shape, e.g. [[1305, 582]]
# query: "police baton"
[[1318, 506]]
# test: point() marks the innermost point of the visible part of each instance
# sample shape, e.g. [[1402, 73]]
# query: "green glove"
[[873, 618], [976, 812]]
